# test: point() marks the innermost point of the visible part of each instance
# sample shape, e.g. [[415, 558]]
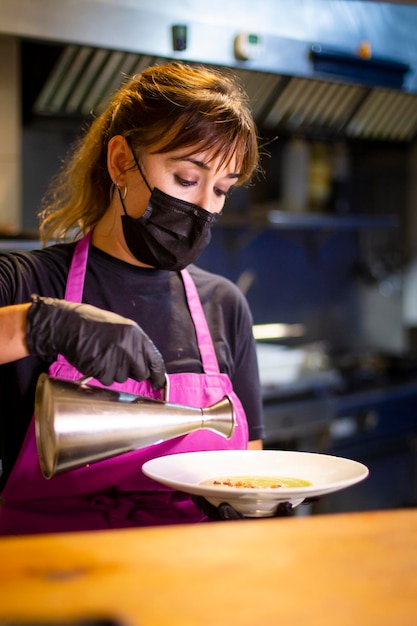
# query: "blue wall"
[[299, 277]]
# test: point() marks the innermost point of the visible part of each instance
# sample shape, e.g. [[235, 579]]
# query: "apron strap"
[[204, 340], [75, 281], [75, 288]]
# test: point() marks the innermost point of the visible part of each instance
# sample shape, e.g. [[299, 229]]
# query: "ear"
[[118, 159]]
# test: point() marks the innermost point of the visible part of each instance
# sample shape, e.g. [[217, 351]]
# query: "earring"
[[123, 193]]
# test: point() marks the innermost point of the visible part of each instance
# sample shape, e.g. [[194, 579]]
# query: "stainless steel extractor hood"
[[288, 91], [83, 76]]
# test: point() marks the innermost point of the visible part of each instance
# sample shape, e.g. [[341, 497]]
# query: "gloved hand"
[[226, 511], [98, 343]]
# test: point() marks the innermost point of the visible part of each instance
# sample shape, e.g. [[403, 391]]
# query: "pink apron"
[[114, 493]]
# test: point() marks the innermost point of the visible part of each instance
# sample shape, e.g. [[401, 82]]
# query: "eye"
[[184, 182], [223, 192]]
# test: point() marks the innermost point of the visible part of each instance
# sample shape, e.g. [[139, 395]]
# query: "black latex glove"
[[98, 343], [226, 511]]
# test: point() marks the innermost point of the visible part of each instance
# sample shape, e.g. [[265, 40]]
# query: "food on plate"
[[255, 482]]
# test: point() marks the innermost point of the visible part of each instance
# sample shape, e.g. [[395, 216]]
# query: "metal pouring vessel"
[[77, 424]]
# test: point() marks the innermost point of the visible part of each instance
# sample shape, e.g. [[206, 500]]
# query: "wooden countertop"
[[354, 569]]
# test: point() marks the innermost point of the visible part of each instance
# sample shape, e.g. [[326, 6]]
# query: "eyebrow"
[[203, 165]]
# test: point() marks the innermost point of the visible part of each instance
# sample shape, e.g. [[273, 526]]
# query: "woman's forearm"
[[13, 332]]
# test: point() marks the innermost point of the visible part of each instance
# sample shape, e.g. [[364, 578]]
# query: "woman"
[[121, 300]]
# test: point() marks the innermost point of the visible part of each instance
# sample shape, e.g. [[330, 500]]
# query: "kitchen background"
[[323, 245]]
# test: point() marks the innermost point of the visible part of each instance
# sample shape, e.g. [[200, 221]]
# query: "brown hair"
[[164, 108]]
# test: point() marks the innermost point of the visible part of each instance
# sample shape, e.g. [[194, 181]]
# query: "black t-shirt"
[[155, 299]]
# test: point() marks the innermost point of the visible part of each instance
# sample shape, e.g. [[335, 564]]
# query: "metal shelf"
[[317, 221], [11, 245], [280, 220]]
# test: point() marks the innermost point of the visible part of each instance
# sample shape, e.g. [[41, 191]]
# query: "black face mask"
[[171, 234]]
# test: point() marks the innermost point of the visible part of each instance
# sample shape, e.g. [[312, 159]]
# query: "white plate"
[[184, 472]]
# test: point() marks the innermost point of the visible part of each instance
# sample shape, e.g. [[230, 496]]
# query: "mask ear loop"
[[137, 164]]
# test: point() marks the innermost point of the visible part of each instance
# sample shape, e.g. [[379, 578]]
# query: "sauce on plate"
[[256, 482]]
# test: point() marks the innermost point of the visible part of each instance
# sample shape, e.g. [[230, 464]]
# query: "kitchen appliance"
[[77, 423], [349, 72]]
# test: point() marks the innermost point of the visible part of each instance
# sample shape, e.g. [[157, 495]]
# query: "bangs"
[[221, 140]]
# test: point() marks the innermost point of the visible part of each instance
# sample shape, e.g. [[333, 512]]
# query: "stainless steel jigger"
[[77, 423]]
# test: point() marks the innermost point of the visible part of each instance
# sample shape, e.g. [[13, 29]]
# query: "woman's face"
[[197, 179]]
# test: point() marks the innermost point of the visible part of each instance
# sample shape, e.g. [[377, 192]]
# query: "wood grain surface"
[[354, 569]]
